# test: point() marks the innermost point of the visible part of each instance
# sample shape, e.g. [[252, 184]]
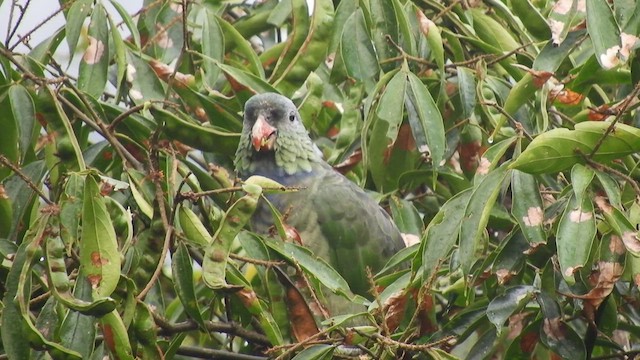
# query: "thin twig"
[[102, 130], [143, 10], [162, 31], [23, 10], [620, 111], [266, 263], [561, 115], [234, 328], [195, 195], [166, 223], [46, 20], [6, 162], [615, 172], [384, 340], [513, 121], [205, 353], [445, 10], [509, 54]]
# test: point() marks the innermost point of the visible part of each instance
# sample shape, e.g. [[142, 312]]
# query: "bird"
[[336, 219]]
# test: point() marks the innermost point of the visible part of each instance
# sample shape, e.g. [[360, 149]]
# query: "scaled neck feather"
[[294, 154]]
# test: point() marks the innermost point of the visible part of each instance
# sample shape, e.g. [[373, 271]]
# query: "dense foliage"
[[502, 137]]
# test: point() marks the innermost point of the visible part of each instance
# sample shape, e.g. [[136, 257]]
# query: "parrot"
[[334, 217]]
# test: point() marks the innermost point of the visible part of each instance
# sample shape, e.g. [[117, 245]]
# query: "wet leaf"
[[507, 304]]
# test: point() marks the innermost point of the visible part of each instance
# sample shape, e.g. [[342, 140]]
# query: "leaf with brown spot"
[[116, 337], [99, 256], [92, 76]]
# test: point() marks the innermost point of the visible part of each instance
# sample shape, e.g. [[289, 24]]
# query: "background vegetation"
[[501, 136]]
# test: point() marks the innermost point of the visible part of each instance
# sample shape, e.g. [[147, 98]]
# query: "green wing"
[[347, 227]]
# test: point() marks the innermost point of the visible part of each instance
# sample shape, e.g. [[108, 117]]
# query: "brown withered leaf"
[[529, 341], [470, 155], [165, 72], [569, 97], [600, 113], [349, 163], [303, 324], [540, 77], [395, 307], [426, 315]]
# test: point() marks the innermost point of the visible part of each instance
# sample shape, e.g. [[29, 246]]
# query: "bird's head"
[[268, 117], [272, 129]]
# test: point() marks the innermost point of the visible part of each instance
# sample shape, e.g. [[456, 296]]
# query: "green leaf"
[[581, 178], [126, 18], [553, 55], [426, 122], [391, 104], [531, 18], [212, 46], [21, 195], [507, 304], [604, 32], [94, 64], [78, 331], [145, 85], [119, 53], [559, 149], [14, 338], [574, 238], [313, 266], [99, 256], [466, 91], [235, 41], [357, 52], [23, 110], [116, 337], [60, 285], [406, 216], [622, 227], [76, 15], [476, 216], [182, 271], [492, 32], [194, 230], [383, 24], [556, 333], [522, 92], [206, 138], [316, 352], [527, 207], [441, 234], [214, 266], [249, 81], [9, 140]]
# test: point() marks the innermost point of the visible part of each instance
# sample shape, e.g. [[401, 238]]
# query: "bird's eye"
[[292, 117]]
